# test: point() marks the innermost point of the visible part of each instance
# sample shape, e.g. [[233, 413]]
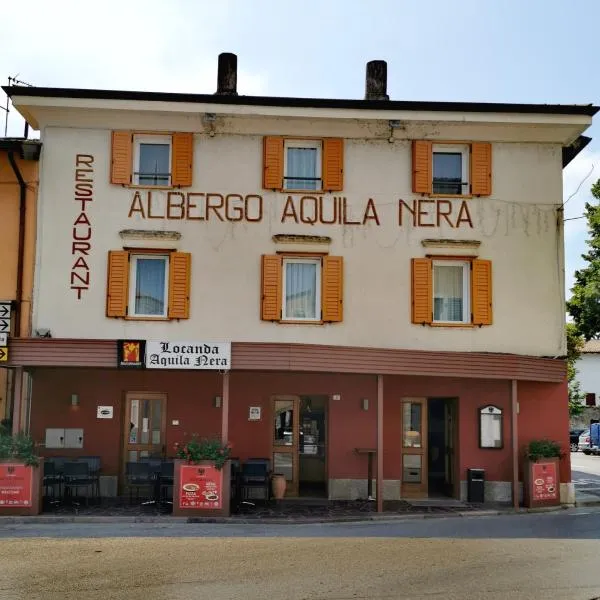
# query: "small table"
[[370, 452]]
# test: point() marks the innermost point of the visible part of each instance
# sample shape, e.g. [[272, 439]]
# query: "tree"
[[575, 344], [584, 305]]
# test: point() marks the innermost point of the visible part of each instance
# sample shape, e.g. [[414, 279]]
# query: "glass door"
[[414, 448], [285, 440], [145, 424]]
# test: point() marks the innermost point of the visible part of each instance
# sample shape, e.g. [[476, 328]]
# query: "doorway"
[[429, 441], [299, 443]]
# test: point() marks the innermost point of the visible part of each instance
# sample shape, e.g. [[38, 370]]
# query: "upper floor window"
[[152, 160], [451, 292], [302, 165], [451, 169], [302, 289], [149, 285]]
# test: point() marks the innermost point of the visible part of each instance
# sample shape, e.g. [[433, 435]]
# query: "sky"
[[525, 51]]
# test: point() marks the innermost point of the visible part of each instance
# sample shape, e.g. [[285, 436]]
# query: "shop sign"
[[104, 412], [254, 413], [130, 354], [545, 484], [15, 485], [200, 486], [188, 355]]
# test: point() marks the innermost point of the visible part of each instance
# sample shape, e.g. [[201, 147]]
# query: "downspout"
[[21, 245]]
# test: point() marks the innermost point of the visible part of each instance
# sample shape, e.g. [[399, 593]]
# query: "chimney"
[[376, 81], [227, 74]]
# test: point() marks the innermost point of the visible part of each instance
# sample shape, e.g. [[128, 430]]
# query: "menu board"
[[545, 484], [200, 487], [15, 485]]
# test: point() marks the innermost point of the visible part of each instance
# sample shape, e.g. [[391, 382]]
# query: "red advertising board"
[[200, 486], [15, 485], [544, 481]]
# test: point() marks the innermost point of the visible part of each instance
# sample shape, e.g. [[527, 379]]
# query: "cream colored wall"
[[517, 228]]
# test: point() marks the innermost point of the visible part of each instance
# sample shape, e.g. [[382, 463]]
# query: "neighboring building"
[[588, 373], [308, 277], [18, 193]]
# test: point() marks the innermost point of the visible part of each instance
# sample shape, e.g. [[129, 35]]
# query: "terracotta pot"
[[278, 485]]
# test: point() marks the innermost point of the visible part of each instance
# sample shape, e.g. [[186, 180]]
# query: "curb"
[[168, 519]]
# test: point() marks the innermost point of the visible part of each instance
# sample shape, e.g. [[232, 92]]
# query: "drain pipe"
[[21, 246]]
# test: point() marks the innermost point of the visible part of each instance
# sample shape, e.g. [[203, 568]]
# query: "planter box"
[[20, 488], [542, 482], [201, 489]]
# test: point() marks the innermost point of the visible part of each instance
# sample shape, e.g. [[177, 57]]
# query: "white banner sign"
[[188, 355]]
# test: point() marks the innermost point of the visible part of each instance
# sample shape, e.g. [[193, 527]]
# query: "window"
[[590, 399], [152, 160], [302, 169], [301, 289], [451, 292], [149, 285], [451, 169]]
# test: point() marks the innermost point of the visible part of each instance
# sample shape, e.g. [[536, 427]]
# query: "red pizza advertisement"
[[15, 485], [545, 484], [200, 486]]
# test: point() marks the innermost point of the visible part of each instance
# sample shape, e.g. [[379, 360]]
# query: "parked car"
[[595, 438], [574, 438], [584, 442]]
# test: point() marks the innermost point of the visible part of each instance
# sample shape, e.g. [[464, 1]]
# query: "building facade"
[[588, 372], [316, 281]]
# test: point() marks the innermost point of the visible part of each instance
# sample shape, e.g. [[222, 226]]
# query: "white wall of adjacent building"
[[517, 228], [588, 374]]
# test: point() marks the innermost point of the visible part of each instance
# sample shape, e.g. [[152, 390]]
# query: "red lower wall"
[[543, 413]]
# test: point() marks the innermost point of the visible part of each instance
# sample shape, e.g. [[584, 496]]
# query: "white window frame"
[[133, 281], [318, 144], [466, 265], [465, 151], [151, 139], [318, 285]]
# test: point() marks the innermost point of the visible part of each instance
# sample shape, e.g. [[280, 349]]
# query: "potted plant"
[[201, 477], [278, 485], [541, 470], [20, 475]]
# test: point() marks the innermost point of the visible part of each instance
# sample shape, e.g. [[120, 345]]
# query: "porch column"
[[515, 442], [17, 394], [379, 487], [225, 409]]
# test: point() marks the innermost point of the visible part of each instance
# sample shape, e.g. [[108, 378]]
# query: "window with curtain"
[[450, 172], [149, 286], [153, 160], [302, 289], [450, 297], [302, 165]]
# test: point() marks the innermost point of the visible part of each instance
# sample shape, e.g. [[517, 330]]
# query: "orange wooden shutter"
[[182, 159], [117, 288], [179, 285], [481, 292], [121, 159], [422, 167], [422, 291], [332, 289], [333, 164], [273, 163], [481, 169], [271, 300]]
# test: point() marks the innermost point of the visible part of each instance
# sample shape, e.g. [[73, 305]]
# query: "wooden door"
[[285, 434], [414, 448], [144, 426]]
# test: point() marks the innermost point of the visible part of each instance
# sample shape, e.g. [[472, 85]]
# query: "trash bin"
[[476, 486]]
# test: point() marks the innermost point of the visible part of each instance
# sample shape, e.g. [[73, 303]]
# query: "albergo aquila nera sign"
[[188, 355]]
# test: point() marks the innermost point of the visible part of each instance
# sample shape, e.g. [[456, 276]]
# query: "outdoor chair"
[[166, 479], [76, 475], [138, 475], [255, 476], [51, 481], [93, 463]]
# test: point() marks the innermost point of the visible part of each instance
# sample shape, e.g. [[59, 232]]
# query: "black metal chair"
[[166, 479], [138, 475], [234, 482], [76, 475], [255, 475], [93, 463], [52, 479]]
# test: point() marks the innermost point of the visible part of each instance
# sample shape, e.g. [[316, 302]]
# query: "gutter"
[[21, 244]]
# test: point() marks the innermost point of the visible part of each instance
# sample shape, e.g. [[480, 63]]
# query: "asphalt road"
[[585, 473], [469, 558]]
